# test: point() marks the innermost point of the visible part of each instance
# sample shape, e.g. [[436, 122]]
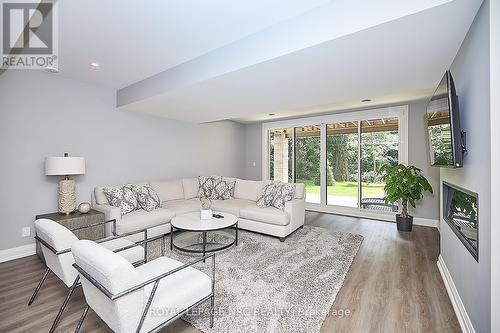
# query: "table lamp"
[[65, 166]]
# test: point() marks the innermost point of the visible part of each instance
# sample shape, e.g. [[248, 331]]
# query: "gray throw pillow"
[[285, 192], [147, 198], [123, 197], [207, 185], [266, 195], [223, 189]]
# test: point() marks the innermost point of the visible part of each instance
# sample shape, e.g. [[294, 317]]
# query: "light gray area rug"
[[263, 285]]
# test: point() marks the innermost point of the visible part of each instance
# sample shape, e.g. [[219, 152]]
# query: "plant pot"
[[404, 223]]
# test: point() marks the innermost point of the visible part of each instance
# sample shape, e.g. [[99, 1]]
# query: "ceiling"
[[133, 40], [201, 61]]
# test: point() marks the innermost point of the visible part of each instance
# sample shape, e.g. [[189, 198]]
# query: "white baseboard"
[[382, 216], [456, 301], [17, 252], [426, 222]]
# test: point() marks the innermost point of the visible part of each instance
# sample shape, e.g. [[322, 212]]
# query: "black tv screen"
[[443, 124]]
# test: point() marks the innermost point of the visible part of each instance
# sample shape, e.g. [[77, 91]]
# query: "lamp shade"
[[64, 166]]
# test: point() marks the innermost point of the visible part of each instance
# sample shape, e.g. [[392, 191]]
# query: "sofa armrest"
[[296, 208], [110, 213]]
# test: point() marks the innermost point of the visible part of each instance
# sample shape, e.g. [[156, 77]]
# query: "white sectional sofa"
[[181, 196]]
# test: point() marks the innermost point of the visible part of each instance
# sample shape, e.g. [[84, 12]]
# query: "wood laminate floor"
[[393, 286]]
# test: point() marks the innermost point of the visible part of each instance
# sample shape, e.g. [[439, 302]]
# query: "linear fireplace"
[[461, 213]]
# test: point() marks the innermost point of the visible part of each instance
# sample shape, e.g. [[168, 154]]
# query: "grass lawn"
[[348, 189]]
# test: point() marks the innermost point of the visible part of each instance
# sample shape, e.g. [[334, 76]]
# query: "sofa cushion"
[[269, 215], [207, 185], [147, 197], [267, 195], [168, 189], [285, 192], [247, 189], [191, 187], [100, 197], [223, 190], [123, 197], [141, 219], [183, 206], [232, 206]]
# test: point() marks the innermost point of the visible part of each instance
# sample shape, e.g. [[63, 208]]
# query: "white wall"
[[417, 155], [470, 71], [253, 151], [495, 160], [43, 115]]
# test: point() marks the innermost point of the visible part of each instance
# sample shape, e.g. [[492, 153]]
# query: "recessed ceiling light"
[[366, 100], [94, 64], [272, 114]]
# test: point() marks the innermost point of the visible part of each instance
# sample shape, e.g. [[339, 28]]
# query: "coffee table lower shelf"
[[204, 246]]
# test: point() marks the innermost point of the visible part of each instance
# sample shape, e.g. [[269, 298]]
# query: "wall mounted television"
[[446, 139]]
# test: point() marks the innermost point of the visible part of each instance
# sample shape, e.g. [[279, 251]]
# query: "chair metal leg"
[[82, 318], [63, 306], [204, 243], [212, 301], [171, 238], [212, 310], [163, 242], [39, 286], [236, 234]]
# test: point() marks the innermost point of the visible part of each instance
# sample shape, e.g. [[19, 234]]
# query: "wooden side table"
[[76, 220]]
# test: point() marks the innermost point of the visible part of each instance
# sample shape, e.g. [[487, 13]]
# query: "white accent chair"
[[139, 299], [56, 241]]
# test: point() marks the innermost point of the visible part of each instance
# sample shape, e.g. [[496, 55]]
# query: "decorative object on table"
[[147, 198], [206, 212], [122, 197], [76, 220], [406, 184], [84, 207], [65, 166]]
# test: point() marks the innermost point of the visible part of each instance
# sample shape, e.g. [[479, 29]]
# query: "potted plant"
[[405, 184]]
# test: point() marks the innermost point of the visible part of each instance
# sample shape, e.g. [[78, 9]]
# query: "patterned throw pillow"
[[223, 190], [123, 197], [285, 192], [266, 196], [207, 185], [147, 198]]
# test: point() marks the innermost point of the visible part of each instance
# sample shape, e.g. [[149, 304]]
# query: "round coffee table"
[[193, 223]]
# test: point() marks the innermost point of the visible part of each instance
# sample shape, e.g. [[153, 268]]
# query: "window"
[[342, 164], [307, 161], [338, 156]]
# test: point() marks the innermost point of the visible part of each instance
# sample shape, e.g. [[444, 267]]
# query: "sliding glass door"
[[342, 164], [379, 146], [308, 161], [338, 157]]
